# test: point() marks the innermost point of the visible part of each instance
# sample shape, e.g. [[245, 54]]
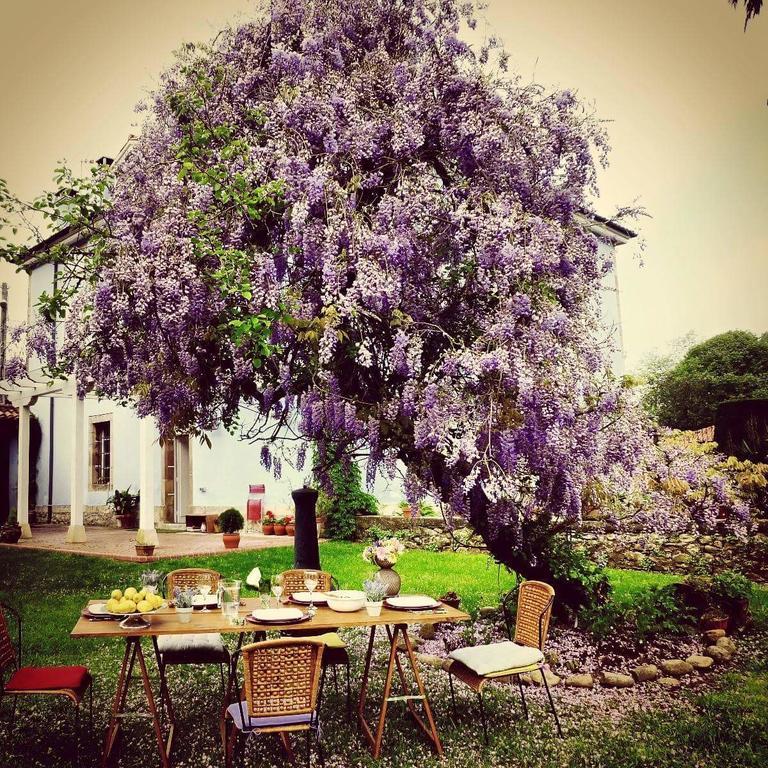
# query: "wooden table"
[[165, 622]]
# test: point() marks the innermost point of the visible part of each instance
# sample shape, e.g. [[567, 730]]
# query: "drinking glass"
[[277, 587], [204, 587], [230, 599], [311, 580]]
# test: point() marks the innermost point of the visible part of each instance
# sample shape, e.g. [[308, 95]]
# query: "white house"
[[84, 449]]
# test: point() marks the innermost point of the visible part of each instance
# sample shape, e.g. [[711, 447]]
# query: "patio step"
[[170, 527]]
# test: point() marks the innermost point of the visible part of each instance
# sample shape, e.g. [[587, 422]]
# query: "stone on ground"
[[645, 672], [717, 653], [711, 636], [488, 612], [580, 681], [430, 660], [727, 643], [670, 682], [617, 680], [700, 662], [534, 678], [427, 631], [676, 668]]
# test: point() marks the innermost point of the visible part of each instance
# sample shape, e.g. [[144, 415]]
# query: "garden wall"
[[682, 554]]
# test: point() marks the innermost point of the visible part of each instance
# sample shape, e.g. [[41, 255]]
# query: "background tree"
[[343, 219], [751, 8], [730, 366]]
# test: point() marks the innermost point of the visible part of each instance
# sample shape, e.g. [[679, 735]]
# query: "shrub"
[[726, 593], [657, 611], [346, 500], [231, 521]]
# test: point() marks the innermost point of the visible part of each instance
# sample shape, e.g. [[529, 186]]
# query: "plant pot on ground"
[[125, 507], [231, 523], [145, 550], [268, 524], [290, 528], [280, 526], [10, 532]]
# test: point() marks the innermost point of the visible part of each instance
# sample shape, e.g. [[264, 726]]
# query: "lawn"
[[723, 728]]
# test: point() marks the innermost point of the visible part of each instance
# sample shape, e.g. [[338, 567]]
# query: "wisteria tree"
[[344, 218]]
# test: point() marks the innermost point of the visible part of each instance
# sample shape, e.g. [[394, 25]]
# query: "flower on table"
[[384, 550]]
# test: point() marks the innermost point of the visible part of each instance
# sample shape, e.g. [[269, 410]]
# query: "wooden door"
[[169, 481]]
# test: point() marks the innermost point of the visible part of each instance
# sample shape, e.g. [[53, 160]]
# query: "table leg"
[[126, 670], [429, 728], [232, 676], [132, 652], [165, 695]]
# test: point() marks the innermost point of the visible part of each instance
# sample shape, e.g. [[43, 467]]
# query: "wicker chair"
[[281, 693], [336, 654], [71, 682], [190, 649], [500, 662]]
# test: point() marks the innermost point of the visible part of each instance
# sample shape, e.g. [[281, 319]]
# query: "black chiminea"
[[306, 552]]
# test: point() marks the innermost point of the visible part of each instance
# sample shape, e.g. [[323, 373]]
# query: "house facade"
[[83, 449]]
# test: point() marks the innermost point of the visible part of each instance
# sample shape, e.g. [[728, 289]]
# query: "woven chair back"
[[534, 609], [7, 651], [186, 578], [282, 676], [293, 581]]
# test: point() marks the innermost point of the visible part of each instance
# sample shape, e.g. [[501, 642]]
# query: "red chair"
[[72, 682]]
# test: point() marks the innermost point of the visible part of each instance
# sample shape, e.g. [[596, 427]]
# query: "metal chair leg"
[[90, 706], [12, 718], [336, 679], [482, 716], [320, 750], [309, 747], [321, 689], [349, 696], [76, 754], [552, 704], [223, 684], [522, 697], [453, 695]]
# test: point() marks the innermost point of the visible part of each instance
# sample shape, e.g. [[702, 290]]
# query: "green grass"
[[725, 728]]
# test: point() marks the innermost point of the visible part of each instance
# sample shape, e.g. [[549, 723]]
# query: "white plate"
[[207, 601], [303, 597], [277, 614], [412, 602]]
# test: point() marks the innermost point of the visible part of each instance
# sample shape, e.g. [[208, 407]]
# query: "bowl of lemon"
[[132, 603]]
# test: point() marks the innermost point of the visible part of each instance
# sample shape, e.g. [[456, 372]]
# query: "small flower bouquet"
[[375, 592], [184, 598], [384, 551]]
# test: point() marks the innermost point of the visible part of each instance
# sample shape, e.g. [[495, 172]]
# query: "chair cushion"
[[497, 657], [331, 640], [48, 679], [237, 710], [192, 649]]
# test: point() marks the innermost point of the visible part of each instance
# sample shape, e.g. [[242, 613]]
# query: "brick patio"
[[118, 544]]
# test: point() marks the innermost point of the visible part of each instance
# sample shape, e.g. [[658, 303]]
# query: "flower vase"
[[388, 577], [184, 615]]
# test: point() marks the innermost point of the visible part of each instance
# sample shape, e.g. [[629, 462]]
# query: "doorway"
[[176, 480]]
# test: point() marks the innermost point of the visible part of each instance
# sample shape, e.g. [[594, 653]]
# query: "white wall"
[[611, 309]]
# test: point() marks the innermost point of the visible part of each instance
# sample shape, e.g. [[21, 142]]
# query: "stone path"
[[118, 544]]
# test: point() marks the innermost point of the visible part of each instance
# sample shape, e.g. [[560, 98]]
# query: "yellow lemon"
[[124, 606], [117, 594], [113, 605], [141, 594], [144, 606], [130, 593], [157, 600], [131, 606]]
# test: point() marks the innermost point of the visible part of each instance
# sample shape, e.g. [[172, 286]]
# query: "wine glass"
[[311, 580], [277, 587], [204, 585]]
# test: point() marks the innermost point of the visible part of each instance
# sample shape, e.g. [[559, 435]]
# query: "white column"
[[22, 461], [146, 534], [76, 530]]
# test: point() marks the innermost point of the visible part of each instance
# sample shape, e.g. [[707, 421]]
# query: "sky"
[[683, 86]]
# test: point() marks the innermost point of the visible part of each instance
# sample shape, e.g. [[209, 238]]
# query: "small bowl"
[[346, 600]]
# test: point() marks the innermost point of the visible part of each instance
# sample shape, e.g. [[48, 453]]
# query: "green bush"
[[658, 611], [345, 502], [230, 521], [585, 578]]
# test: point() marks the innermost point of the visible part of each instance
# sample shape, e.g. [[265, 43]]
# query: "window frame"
[[94, 422]]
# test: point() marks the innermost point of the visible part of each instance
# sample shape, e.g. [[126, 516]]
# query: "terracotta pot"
[[407, 513], [279, 530], [268, 529], [714, 622], [231, 540], [290, 530], [145, 550]]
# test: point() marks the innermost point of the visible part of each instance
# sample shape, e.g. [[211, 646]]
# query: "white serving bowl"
[[346, 600]]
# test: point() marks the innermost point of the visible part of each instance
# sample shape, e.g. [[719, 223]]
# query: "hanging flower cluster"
[[384, 551]]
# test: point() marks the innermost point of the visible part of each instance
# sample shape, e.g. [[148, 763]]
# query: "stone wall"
[[683, 554], [92, 515]]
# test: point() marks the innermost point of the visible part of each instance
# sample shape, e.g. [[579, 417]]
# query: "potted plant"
[[385, 553], [280, 524], [10, 533], [714, 619], [375, 592], [452, 599], [290, 527], [231, 523], [268, 526], [405, 508], [183, 599], [124, 506]]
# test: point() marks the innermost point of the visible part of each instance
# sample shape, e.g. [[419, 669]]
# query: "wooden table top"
[[165, 621]]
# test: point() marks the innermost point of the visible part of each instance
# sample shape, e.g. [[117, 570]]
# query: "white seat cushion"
[[208, 642], [498, 657]]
